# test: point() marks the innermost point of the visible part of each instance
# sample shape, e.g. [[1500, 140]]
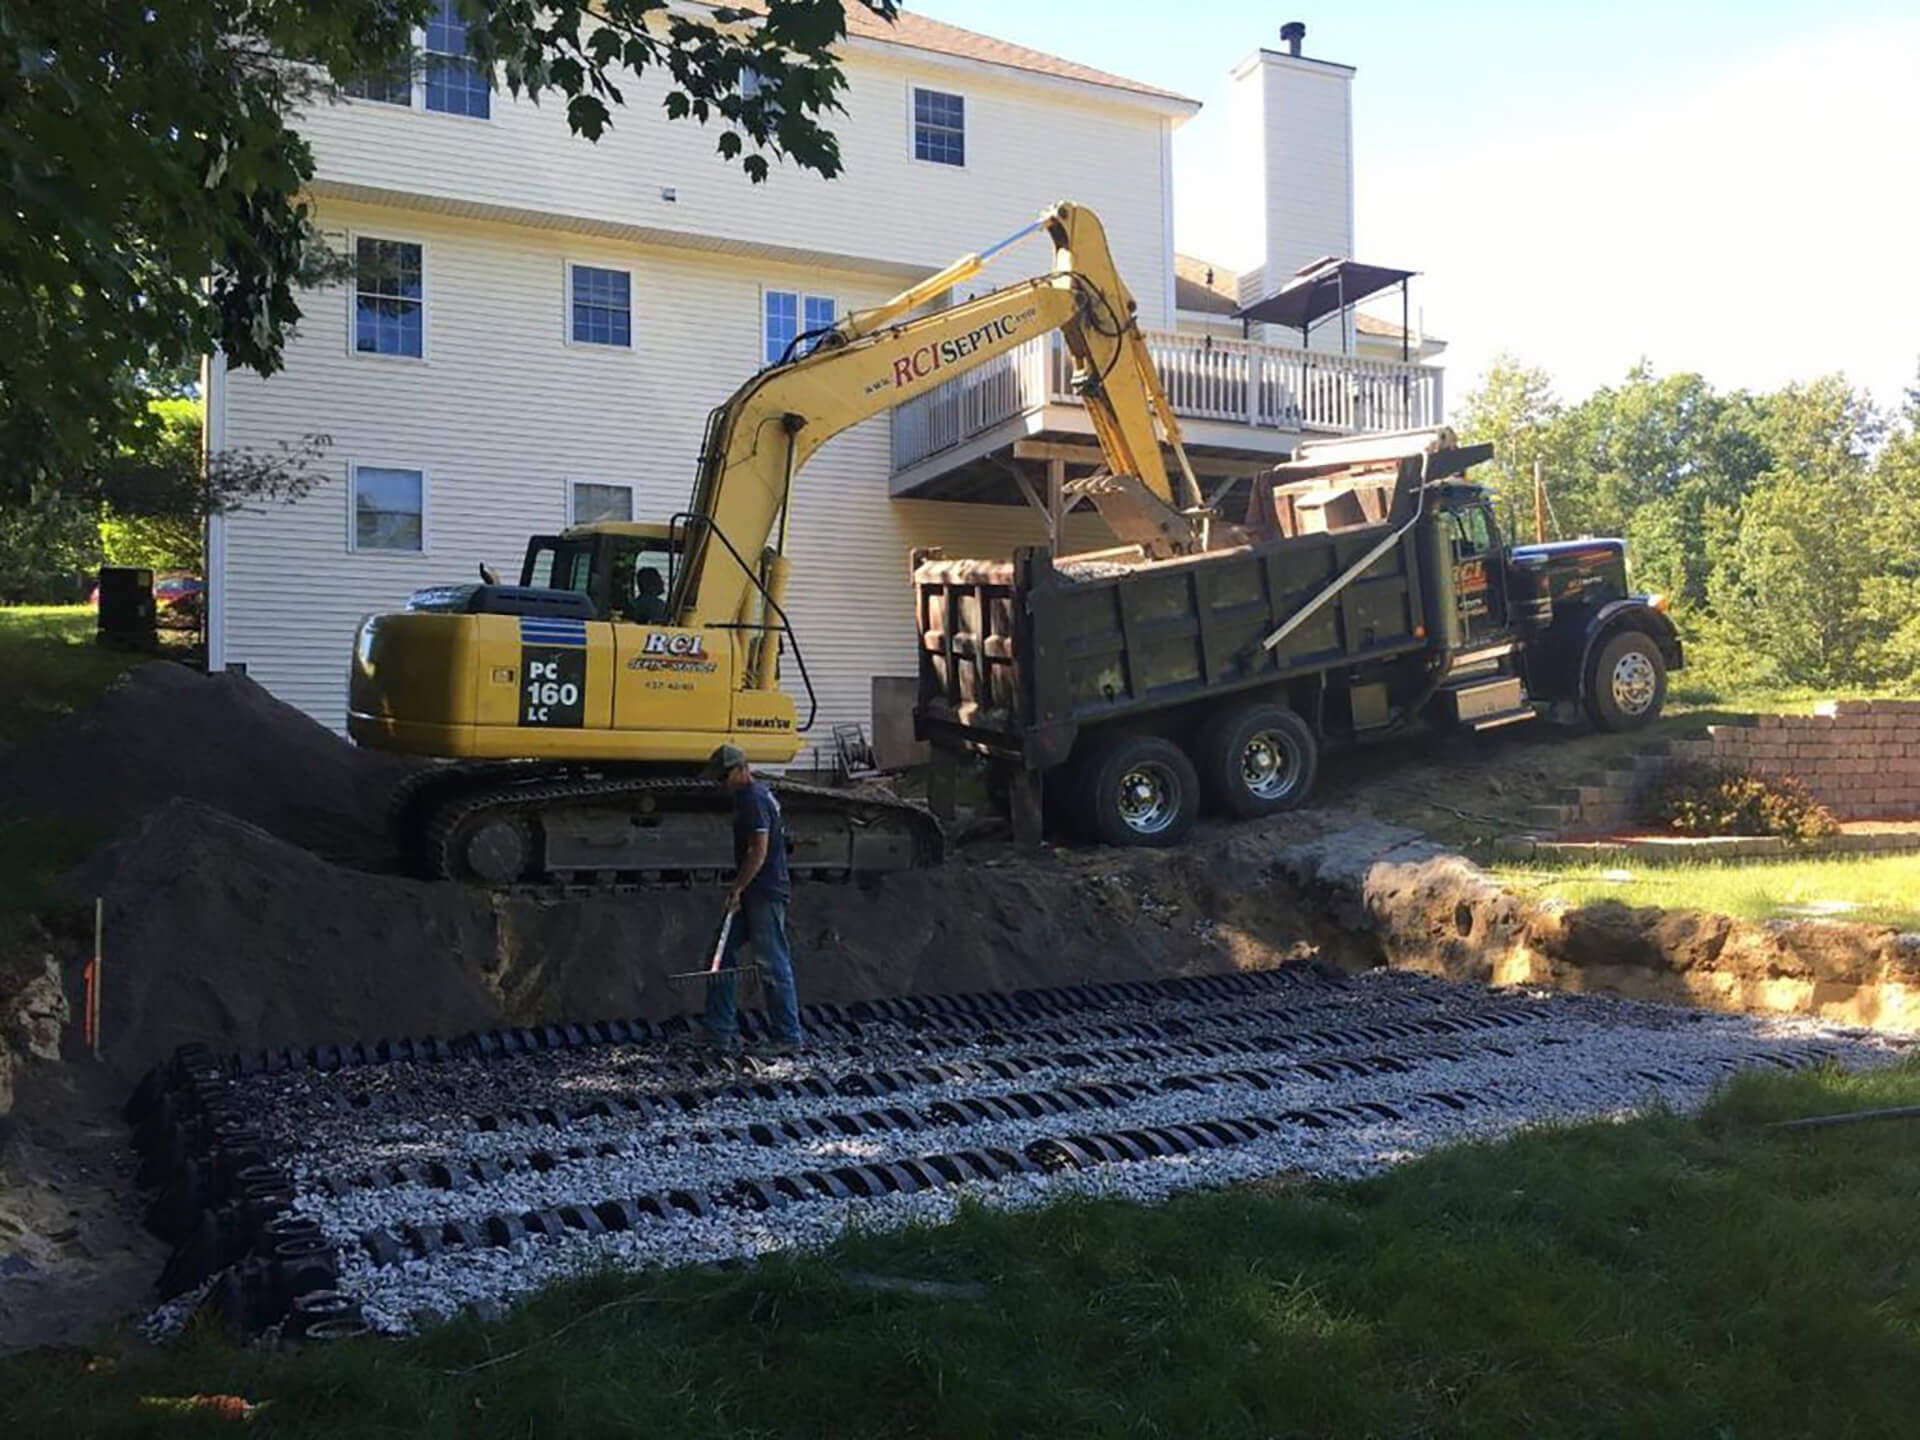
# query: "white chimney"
[[1292, 123]]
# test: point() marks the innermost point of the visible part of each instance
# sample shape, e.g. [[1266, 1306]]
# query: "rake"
[[714, 970]]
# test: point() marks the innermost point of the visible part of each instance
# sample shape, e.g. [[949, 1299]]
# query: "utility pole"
[[1539, 502]]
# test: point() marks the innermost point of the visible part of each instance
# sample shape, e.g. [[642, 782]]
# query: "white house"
[[540, 325]]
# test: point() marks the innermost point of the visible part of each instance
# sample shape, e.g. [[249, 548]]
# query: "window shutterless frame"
[[412, 95], [354, 547], [577, 483], [786, 314], [949, 127], [352, 287], [567, 269]]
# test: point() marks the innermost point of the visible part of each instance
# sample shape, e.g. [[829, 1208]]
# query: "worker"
[[758, 902], [649, 603]]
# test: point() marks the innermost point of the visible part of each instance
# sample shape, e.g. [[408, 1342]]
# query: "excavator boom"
[[878, 358]]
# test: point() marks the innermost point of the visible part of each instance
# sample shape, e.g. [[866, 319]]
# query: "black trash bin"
[[126, 607]]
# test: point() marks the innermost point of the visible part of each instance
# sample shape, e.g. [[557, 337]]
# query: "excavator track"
[[556, 832]]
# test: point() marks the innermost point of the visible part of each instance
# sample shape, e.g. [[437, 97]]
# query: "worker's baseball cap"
[[724, 761]]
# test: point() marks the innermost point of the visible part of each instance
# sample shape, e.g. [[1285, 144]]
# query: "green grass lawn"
[[1877, 889], [52, 665], [1663, 1277]]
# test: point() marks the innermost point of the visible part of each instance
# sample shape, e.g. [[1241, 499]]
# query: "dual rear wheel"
[[1252, 760]]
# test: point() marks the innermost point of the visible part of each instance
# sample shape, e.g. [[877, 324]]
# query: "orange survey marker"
[[90, 999]]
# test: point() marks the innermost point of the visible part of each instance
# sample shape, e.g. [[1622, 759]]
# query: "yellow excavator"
[[579, 704]]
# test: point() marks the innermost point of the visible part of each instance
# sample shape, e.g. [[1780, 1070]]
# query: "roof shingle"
[[917, 32]]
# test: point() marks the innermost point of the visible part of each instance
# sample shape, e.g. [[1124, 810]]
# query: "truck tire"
[[1626, 681], [1257, 760], [1137, 790]]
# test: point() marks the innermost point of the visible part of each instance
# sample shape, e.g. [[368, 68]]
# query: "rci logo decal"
[[674, 650], [662, 642]]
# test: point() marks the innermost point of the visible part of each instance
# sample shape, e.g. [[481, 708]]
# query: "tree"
[[1665, 461], [1515, 409], [151, 168], [1791, 587]]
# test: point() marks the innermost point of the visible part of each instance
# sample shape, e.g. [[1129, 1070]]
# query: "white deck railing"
[[1274, 387]]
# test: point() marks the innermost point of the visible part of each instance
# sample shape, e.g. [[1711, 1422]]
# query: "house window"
[[939, 127], [592, 503], [389, 509], [457, 84], [393, 87], [790, 315], [390, 298], [602, 306]]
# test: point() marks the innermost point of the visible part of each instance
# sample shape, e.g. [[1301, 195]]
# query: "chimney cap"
[[1292, 33]]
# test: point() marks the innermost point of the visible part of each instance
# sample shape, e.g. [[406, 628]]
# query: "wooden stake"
[[93, 990]]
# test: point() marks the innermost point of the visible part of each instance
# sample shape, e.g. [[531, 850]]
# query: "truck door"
[[1479, 577]]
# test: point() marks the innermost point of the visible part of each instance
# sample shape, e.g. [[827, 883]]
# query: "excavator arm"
[[878, 358]]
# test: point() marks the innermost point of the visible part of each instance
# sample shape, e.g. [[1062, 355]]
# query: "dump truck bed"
[[1016, 656]]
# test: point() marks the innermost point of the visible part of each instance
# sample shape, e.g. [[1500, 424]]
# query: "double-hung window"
[[590, 503], [939, 127], [391, 87], [444, 77], [389, 312], [789, 315], [457, 84], [389, 509], [602, 306]]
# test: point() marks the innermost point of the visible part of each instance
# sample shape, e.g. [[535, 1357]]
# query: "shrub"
[[1706, 800]]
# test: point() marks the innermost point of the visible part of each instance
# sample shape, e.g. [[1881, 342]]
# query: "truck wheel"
[[1627, 682], [1138, 790], [1258, 760]]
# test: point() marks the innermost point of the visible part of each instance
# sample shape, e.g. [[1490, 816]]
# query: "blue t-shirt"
[[756, 810]]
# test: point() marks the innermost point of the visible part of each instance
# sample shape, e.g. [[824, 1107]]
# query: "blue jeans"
[[762, 924]]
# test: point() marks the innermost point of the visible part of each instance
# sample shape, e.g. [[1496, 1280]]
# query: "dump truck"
[[1366, 590]]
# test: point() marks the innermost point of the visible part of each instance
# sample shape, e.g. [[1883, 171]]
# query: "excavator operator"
[[649, 603]]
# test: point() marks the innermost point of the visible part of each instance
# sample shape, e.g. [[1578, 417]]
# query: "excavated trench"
[[404, 1097]]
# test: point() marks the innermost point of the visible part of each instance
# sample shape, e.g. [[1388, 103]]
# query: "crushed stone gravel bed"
[[1315, 1074]]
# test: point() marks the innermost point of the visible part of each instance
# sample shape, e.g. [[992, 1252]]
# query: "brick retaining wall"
[[1860, 758]]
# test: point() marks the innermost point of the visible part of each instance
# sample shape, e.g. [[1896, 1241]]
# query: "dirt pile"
[[165, 731], [217, 931]]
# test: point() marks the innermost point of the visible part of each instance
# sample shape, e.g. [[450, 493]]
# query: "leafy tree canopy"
[[152, 169], [1786, 525]]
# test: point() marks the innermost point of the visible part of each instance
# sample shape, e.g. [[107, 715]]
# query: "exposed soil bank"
[[1395, 898], [219, 932]]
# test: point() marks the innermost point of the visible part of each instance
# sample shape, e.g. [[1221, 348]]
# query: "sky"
[[1727, 188]]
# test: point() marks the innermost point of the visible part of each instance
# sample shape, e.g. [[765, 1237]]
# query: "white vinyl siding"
[[500, 417], [886, 213]]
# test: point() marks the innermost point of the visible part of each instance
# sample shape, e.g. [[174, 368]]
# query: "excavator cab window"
[[558, 564], [640, 572]]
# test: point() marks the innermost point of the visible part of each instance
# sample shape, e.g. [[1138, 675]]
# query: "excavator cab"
[[607, 562]]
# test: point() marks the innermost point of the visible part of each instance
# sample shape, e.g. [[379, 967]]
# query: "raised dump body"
[[1365, 588]]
